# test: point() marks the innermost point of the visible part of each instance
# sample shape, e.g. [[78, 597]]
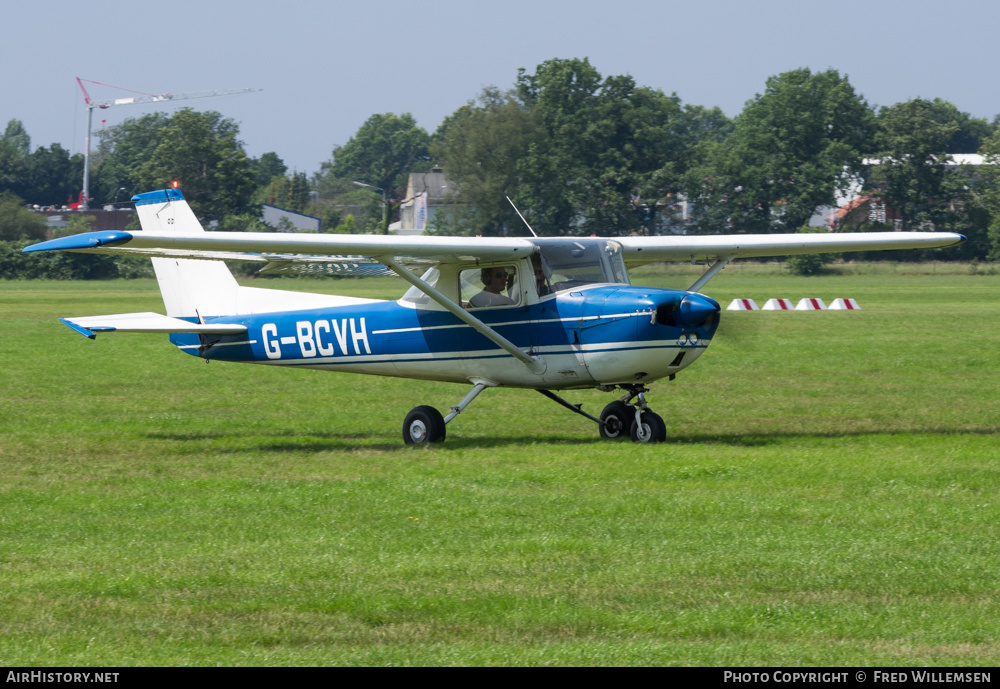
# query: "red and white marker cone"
[[810, 304], [844, 305], [742, 305], [778, 305]]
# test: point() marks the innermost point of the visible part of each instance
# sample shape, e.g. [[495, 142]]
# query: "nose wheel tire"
[[617, 418], [423, 425], [650, 428]]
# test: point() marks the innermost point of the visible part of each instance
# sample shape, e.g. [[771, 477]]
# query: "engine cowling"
[[633, 334]]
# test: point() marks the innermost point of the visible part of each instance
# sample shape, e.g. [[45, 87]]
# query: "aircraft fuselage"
[[598, 335]]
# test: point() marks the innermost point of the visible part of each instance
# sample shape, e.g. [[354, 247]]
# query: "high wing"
[[640, 250], [346, 251], [171, 230], [280, 247]]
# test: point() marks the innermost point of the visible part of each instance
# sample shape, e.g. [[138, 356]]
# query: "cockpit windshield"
[[567, 264]]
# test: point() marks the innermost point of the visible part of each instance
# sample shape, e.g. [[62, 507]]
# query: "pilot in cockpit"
[[541, 276], [494, 282]]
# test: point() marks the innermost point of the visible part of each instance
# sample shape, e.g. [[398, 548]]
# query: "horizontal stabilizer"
[[147, 323]]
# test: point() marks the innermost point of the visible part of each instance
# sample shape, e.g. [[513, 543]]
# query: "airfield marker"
[[742, 305], [844, 305], [778, 305], [810, 304]]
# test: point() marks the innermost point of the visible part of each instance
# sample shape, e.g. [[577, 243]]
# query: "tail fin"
[[189, 287]]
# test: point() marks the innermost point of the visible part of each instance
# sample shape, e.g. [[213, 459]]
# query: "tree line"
[[579, 153]]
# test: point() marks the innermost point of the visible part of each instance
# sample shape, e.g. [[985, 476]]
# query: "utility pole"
[[139, 99], [385, 205]]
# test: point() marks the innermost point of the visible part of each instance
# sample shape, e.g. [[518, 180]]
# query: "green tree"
[[267, 167], [971, 131], [17, 222], [790, 151], [912, 175], [987, 192], [201, 151], [121, 151], [383, 150], [482, 146], [17, 136], [290, 192], [614, 152], [15, 146], [578, 152], [339, 197], [54, 176]]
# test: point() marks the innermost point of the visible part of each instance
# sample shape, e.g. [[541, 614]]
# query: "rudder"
[[189, 287]]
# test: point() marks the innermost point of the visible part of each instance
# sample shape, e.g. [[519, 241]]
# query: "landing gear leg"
[[425, 424], [647, 427]]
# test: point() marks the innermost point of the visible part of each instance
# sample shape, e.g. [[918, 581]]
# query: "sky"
[[326, 66]]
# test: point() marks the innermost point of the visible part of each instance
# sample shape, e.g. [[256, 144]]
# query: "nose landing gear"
[[640, 423]]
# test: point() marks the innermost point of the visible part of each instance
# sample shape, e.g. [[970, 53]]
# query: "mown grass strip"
[[827, 495]]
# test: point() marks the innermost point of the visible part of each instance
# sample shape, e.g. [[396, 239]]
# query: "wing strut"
[[721, 263], [534, 364]]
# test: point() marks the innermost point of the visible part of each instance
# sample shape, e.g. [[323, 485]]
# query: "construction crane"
[[139, 98]]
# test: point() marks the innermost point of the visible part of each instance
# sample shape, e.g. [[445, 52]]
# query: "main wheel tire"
[[618, 417], [652, 429], [423, 425]]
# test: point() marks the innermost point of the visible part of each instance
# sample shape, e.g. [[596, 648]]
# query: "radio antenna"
[[522, 218]]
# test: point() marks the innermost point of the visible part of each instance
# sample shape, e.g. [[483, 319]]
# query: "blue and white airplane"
[[539, 313]]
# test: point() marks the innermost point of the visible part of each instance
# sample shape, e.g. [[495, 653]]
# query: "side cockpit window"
[[415, 296], [490, 286]]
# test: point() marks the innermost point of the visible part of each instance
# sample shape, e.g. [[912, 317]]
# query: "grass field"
[[829, 495]]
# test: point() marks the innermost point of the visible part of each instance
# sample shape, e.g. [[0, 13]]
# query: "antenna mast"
[[522, 217]]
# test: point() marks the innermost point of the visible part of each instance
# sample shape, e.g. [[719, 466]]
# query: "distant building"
[[426, 193], [853, 208], [117, 219], [289, 221]]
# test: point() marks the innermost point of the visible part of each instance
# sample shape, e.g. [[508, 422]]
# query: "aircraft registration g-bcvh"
[[538, 313]]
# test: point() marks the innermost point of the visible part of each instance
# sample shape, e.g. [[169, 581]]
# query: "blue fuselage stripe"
[[613, 318]]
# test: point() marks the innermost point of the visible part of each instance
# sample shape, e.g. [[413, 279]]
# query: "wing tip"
[[90, 334], [87, 240]]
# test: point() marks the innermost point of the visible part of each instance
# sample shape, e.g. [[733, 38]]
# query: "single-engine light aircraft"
[[539, 313]]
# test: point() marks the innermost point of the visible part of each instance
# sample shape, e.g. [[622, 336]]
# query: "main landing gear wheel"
[[650, 428], [423, 425], [616, 419]]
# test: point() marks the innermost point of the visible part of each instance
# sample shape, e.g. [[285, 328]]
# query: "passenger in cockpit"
[[494, 282]]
